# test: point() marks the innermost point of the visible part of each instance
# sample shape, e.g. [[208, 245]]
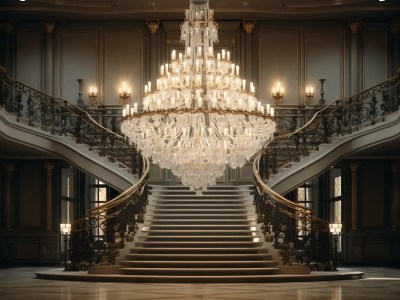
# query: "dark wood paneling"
[[30, 196], [373, 196]]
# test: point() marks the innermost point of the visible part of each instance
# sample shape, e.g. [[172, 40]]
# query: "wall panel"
[[29, 58], [324, 59], [375, 58], [123, 63], [30, 196], [79, 59], [373, 199], [279, 61]]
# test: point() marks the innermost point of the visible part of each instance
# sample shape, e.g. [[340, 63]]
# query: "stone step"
[[200, 221], [197, 244], [160, 201], [197, 264], [208, 216], [198, 211], [198, 250], [205, 238], [199, 257], [200, 271], [198, 227], [200, 206], [203, 232]]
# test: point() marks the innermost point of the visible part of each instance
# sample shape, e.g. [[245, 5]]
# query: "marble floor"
[[378, 283]]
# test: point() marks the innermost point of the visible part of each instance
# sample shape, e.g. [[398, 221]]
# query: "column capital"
[[395, 167], [249, 25], [7, 27], [9, 167], [153, 25], [354, 26], [49, 166], [48, 26], [354, 166], [395, 27]]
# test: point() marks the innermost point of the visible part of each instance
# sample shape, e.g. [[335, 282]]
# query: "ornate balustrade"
[[292, 227], [97, 237]]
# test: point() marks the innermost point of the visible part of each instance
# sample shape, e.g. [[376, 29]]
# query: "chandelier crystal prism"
[[201, 115]]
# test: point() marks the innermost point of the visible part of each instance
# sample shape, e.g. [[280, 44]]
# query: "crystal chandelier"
[[202, 115]]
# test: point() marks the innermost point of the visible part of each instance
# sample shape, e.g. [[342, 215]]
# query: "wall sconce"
[[309, 95], [65, 229], [277, 94], [124, 93], [93, 95]]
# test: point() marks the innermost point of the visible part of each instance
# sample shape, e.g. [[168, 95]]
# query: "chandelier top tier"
[[201, 115]]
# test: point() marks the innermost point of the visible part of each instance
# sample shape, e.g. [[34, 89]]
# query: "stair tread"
[[200, 262], [200, 255], [202, 269]]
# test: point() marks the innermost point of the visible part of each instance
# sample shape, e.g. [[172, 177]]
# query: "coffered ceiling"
[[224, 9]]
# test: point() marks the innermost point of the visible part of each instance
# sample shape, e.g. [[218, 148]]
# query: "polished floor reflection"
[[378, 283]]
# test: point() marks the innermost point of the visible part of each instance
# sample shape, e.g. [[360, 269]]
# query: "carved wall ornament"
[[249, 25], [153, 25], [7, 27], [395, 26], [48, 26], [355, 26]]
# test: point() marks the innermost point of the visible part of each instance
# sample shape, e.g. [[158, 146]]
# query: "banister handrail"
[[343, 116], [113, 222]]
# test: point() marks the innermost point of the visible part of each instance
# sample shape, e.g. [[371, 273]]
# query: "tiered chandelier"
[[201, 115]]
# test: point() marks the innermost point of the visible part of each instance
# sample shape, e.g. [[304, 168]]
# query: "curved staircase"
[[189, 236]]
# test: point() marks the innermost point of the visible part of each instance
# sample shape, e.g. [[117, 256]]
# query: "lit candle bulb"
[[135, 107], [228, 54], [173, 55], [237, 70], [223, 53], [272, 112], [162, 70]]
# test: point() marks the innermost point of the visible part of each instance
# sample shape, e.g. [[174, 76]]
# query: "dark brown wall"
[[375, 237], [29, 229]]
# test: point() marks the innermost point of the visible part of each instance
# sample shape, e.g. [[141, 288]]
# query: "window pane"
[[338, 186], [301, 194]]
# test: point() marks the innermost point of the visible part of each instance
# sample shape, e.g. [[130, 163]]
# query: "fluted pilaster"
[[249, 26], [355, 57], [354, 166], [49, 167], [395, 212], [9, 170], [49, 27], [395, 28]]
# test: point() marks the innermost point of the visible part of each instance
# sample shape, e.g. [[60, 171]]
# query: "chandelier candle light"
[[201, 115]]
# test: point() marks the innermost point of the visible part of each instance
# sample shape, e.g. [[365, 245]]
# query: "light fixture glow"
[[200, 115]]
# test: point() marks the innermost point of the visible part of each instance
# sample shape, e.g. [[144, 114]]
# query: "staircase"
[[208, 236]]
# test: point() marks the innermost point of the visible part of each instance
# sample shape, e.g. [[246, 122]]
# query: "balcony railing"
[[106, 228], [292, 227]]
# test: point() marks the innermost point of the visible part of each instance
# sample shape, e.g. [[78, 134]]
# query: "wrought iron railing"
[[292, 227], [97, 237], [106, 229]]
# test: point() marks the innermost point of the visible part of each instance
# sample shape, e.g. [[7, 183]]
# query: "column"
[[8, 195], [395, 27], [395, 195], [48, 56], [354, 194], [49, 167], [6, 49], [153, 26], [248, 26], [355, 57]]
